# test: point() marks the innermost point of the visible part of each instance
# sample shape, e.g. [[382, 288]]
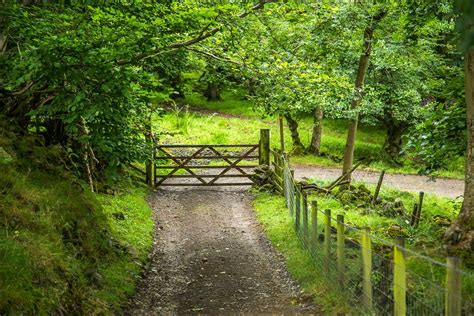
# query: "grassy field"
[[64, 249], [242, 124]]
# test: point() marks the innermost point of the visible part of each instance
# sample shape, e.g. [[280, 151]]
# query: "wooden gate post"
[[264, 149], [150, 160]]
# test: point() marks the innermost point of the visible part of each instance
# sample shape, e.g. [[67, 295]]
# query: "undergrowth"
[[63, 249]]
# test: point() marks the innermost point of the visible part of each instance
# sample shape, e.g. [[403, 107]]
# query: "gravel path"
[[451, 188], [210, 256]]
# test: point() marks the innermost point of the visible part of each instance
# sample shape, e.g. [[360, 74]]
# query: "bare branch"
[[24, 89], [51, 97]]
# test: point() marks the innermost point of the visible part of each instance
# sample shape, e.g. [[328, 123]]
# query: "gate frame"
[[183, 161]]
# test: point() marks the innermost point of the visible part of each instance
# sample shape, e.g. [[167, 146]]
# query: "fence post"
[[413, 214], [276, 157], [420, 206], [291, 192], [377, 189], [399, 278], [282, 166], [340, 250], [153, 173], [314, 223], [453, 287], [305, 217], [285, 177], [366, 247], [327, 240], [297, 207], [264, 148], [282, 137], [150, 161]]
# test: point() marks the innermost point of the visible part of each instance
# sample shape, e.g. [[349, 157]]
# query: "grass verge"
[[63, 249], [273, 215], [424, 276]]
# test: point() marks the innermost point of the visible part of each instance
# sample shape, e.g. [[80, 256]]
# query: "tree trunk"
[[298, 146], [393, 138], [55, 132], [315, 146], [212, 92], [359, 86], [460, 235]]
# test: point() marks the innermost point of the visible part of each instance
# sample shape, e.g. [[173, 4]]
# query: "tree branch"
[[202, 36], [212, 56]]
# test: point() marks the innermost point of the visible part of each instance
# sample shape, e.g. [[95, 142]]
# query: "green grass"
[[231, 103], [64, 249], [129, 217], [278, 226], [307, 270], [245, 128], [424, 238]]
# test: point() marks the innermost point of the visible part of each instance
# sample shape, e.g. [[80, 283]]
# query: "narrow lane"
[[210, 256], [451, 188]]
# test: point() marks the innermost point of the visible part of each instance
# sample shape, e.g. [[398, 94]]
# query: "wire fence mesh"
[[370, 274]]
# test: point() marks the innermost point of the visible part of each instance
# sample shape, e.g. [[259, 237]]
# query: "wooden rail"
[[193, 158]]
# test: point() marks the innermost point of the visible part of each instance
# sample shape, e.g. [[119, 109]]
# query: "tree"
[[300, 75], [460, 235], [88, 75], [359, 86]]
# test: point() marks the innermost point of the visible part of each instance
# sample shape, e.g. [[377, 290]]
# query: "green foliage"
[[80, 74], [440, 137], [465, 22], [239, 122], [64, 249]]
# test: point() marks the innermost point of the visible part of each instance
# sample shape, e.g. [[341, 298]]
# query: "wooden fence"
[[373, 275]]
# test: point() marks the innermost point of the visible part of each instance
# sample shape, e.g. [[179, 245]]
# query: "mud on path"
[[451, 188], [210, 256]]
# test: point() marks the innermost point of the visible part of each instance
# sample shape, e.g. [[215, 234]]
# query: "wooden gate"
[[210, 165]]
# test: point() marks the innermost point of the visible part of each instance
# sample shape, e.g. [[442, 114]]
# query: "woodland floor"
[[211, 256], [450, 188]]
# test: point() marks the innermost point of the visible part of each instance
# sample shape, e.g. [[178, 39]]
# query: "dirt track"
[[210, 256], [451, 188]]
